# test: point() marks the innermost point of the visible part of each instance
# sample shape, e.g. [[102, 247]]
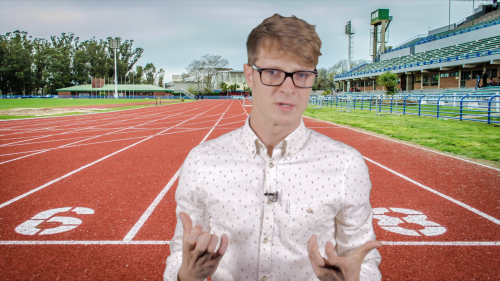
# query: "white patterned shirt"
[[323, 188]]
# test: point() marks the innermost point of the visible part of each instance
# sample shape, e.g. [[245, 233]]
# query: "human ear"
[[249, 75]]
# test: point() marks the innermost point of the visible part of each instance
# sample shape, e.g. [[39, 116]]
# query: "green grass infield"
[[475, 140], [51, 103], [6, 104]]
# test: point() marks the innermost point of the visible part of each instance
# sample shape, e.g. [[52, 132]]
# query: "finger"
[[187, 223], [224, 242], [201, 244], [366, 248], [195, 234], [333, 259], [212, 244], [313, 251]]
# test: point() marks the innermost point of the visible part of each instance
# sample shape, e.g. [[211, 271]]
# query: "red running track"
[[113, 177]]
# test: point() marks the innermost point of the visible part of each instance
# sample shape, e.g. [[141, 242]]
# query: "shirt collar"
[[289, 146]]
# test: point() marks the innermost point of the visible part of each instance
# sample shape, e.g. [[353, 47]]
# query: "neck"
[[271, 134]]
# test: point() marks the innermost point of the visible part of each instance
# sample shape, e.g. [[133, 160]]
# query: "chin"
[[286, 120]]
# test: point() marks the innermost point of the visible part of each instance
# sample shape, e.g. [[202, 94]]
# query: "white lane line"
[[94, 129], [401, 142], [90, 164], [80, 115], [165, 242], [75, 242], [35, 126], [65, 145], [138, 225], [241, 103], [118, 140], [69, 132], [476, 211], [104, 121], [444, 243], [58, 126]]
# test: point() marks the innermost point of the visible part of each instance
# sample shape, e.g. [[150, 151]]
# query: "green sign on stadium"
[[379, 15]]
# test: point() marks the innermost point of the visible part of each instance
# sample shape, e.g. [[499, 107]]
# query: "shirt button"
[[289, 154], [309, 211], [266, 240], [271, 165], [253, 151], [264, 278]]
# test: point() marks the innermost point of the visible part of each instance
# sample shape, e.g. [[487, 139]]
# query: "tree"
[[61, 60], [16, 57], [161, 76], [233, 87], [41, 64], [195, 69], [389, 80], [37, 65], [126, 56], [149, 73], [207, 68], [246, 88], [223, 86], [211, 65]]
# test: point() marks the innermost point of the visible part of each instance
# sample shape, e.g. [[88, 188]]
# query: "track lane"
[[122, 191], [469, 183], [30, 135], [399, 262], [24, 175]]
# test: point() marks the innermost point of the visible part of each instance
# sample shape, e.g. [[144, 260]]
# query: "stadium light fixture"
[[114, 45]]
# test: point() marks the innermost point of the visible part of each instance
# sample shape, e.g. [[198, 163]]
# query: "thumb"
[[187, 223], [366, 248]]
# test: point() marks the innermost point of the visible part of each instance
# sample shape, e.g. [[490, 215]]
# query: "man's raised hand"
[[199, 258], [337, 268]]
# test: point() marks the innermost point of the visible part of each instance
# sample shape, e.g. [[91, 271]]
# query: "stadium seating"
[[483, 47]]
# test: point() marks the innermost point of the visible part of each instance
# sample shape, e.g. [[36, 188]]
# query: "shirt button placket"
[[267, 225]]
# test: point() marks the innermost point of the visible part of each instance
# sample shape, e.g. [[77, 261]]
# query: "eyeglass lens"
[[274, 77]]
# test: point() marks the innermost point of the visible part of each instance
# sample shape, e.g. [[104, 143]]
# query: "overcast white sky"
[[173, 33]]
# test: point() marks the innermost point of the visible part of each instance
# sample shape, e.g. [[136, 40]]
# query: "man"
[[485, 79], [478, 79], [275, 191]]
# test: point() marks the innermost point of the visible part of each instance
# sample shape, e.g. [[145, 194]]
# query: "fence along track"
[[470, 107]]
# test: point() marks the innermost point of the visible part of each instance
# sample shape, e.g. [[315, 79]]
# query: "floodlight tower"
[[379, 17], [349, 31], [114, 45]]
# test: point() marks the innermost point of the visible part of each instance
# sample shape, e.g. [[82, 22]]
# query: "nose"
[[288, 86]]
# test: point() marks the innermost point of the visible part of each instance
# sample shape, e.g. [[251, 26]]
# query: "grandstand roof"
[[111, 88]]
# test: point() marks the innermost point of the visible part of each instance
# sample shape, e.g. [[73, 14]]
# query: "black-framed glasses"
[[276, 77]]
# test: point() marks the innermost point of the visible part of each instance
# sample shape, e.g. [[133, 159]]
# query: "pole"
[[349, 59], [473, 12], [116, 78], [449, 14]]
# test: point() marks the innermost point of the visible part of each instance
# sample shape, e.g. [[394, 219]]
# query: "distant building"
[[227, 75], [231, 77], [99, 88]]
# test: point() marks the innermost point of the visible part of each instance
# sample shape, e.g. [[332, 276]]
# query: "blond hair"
[[289, 35]]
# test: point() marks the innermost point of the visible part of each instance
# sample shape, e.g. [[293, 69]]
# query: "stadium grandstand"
[[449, 57]]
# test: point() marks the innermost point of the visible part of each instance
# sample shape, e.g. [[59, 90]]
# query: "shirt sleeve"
[[354, 222], [188, 199]]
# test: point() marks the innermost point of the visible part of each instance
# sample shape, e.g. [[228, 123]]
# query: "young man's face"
[[278, 105]]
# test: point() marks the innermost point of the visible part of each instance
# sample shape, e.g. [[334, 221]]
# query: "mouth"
[[286, 105]]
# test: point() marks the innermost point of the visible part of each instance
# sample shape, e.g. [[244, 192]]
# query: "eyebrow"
[[277, 68]]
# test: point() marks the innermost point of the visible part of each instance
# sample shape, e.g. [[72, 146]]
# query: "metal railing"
[[470, 107]]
